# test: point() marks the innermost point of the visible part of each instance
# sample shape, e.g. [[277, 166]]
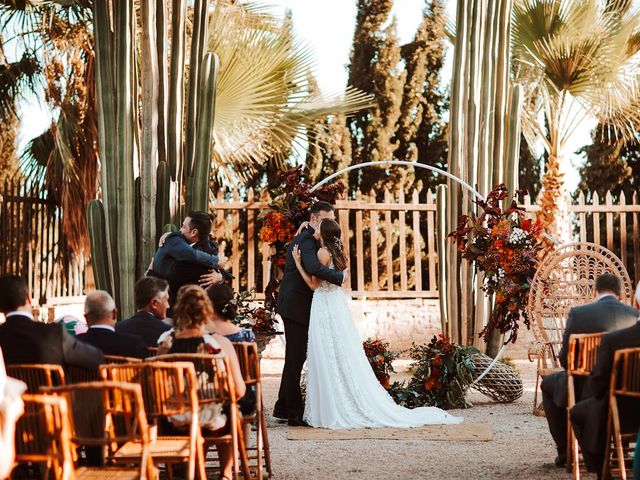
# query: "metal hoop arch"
[[450, 176]]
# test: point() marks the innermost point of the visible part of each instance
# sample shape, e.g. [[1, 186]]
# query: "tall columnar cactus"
[[483, 149], [150, 139]]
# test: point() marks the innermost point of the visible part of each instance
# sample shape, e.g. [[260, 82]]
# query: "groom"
[[294, 306]]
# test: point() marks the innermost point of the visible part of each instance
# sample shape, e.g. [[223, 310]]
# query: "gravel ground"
[[521, 449]]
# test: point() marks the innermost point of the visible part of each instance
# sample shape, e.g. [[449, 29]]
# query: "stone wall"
[[399, 322]]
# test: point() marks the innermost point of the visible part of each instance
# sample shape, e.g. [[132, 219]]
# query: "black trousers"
[[555, 410], [289, 396]]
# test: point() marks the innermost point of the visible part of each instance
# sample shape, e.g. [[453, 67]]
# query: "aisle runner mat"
[[463, 432]]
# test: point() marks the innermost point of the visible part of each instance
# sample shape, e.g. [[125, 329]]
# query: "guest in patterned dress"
[[192, 311], [224, 311]]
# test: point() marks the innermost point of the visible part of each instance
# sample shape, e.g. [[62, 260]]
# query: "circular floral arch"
[[450, 176]]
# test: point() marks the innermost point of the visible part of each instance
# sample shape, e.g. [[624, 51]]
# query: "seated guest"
[[23, 340], [607, 313], [186, 255], [193, 310], [589, 416], [152, 301], [225, 310], [101, 314]]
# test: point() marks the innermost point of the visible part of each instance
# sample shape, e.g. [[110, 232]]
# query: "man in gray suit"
[[606, 314]]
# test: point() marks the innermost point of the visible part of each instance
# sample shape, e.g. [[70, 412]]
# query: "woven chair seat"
[[164, 448], [86, 473], [502, 383]]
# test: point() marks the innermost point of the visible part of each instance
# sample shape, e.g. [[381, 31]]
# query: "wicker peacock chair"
[[565, 279]]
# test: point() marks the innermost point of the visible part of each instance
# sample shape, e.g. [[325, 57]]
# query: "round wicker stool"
[[502, 383]]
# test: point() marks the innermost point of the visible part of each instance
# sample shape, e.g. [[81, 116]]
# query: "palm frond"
[[262, 96], [586, 49], [17, 80]]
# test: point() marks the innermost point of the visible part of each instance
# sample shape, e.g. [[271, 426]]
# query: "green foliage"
[[442, 371], [407, 121], [613, 167]]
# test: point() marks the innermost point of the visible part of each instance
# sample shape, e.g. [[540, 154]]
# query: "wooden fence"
[[33, 245], [391, 244]]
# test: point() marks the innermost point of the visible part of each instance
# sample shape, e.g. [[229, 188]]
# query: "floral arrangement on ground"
[[380, 358], [260, 319], [442, 371], [505, 247]]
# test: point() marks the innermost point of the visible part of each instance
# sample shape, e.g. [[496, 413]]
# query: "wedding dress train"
[[342, 390]]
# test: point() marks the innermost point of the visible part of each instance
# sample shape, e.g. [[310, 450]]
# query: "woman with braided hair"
[[342, 390]]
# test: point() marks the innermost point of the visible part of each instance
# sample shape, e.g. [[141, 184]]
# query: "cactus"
[[198, 181], [132, 211], [483, 150], [98, 240]]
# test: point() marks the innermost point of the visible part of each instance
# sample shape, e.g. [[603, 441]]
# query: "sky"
[[327, 27]]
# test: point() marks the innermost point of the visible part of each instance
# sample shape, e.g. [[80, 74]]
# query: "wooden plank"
[[431, 246], [582, 219], [417, 243], [343, 216], [235, 247], [359, 246], [387, 205], [623, 231], [250, 242], [388, 241], [596, 220], [609, 220], [373, 215], [220, 211], [393, 294], [636, 240], [600, 208], [402, 240]]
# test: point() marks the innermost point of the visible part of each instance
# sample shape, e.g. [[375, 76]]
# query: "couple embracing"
[[342, 390]]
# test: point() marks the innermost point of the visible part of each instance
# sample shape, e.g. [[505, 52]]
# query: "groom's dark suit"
[[294, 306]]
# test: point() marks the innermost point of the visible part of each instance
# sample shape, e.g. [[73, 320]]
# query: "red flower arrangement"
[[259, 319], [505, 246], [380, 358], [289, 207], [441, 372]]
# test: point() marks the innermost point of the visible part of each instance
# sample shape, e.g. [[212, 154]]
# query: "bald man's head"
[[100, 309]]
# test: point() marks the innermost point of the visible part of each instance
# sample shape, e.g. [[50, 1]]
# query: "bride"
[[342, 390]]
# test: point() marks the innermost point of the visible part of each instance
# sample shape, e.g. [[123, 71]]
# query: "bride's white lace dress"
[[342, 390]]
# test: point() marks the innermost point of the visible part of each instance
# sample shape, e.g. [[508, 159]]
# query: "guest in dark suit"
[[607, 313], [101, 314], [152, 301], [589, 416], [23, 340], [294, 305], [185, 256]]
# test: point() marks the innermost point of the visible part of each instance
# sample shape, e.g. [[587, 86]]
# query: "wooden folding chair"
[[215, 385], [37, 375], [43, 436], [249, 359], [625, 382], [168, 389], [581, 359], [120, 359], [106, 415]]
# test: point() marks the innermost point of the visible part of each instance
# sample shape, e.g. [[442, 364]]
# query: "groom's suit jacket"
[[294, 299]]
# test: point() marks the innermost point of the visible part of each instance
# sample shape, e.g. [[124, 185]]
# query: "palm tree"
[[576, 59], [58, 63], [264, 96]]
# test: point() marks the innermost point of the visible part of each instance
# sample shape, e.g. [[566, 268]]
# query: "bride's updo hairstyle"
[[331, 237]]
